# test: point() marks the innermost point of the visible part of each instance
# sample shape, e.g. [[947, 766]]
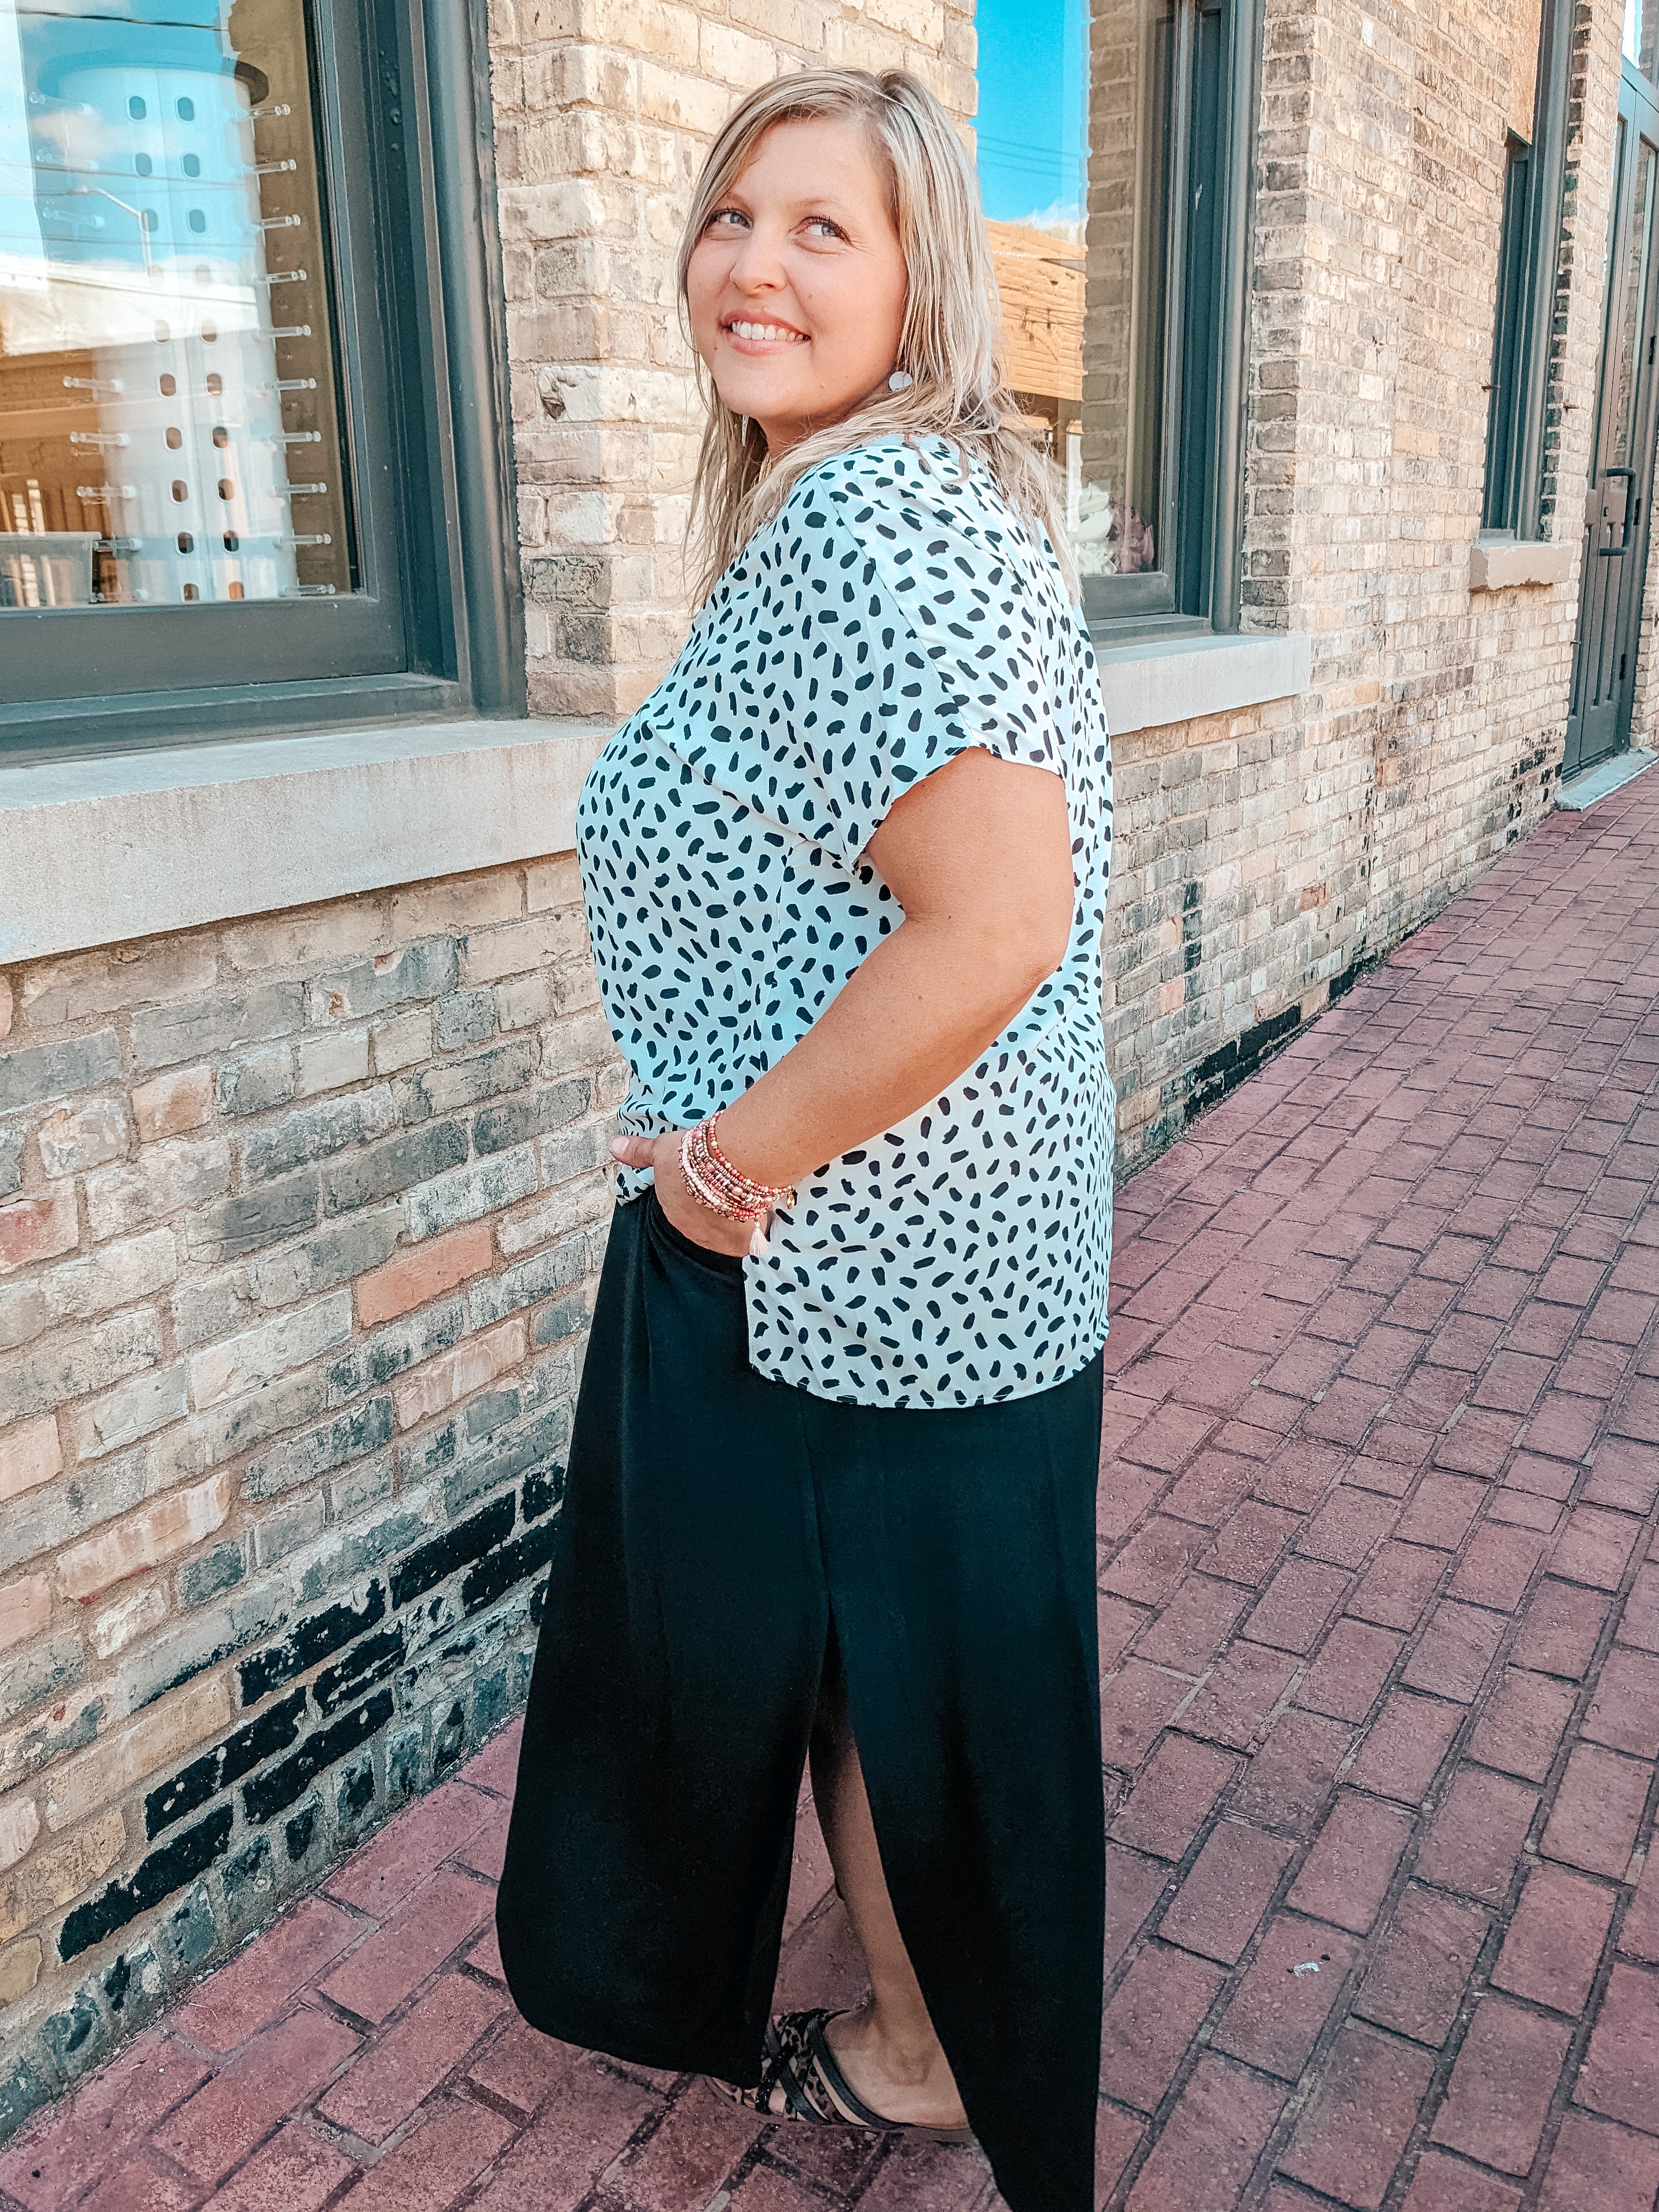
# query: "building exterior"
[[343, 483]]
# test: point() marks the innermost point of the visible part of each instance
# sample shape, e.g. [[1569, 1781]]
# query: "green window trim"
[[1529, 252], [1215, 97]]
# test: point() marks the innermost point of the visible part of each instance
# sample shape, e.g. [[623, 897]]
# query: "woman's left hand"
[[691, 1219]]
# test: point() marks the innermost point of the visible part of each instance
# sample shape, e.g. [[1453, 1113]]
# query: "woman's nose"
[[756, 266]]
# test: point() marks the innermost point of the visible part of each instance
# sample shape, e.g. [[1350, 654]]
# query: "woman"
[[831, 1484]]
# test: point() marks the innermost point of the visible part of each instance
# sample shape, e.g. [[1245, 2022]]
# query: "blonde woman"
[[831, 1482]]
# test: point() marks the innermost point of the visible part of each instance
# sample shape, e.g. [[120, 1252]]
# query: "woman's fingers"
[[634, 1152]]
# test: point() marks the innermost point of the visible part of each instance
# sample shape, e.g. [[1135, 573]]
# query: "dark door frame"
[[1618, 499]]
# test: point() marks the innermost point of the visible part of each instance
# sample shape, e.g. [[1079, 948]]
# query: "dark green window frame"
[[402, 88], [1210, 127], [1528, 240]]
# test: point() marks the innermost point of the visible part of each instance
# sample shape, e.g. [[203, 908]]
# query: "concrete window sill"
[[98, 852], [1152, 684], [1498, 564]]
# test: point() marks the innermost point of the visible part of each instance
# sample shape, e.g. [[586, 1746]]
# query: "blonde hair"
[[948, 341]]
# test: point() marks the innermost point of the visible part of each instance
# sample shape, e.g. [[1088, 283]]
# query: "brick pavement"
[[1381, 1638]]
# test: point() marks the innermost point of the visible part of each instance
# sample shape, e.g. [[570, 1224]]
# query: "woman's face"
[[797, 286]]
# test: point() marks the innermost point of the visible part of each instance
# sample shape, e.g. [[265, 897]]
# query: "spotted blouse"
[[895, 612]]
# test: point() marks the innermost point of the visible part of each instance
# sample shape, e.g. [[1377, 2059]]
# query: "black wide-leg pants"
[[715, 1526]]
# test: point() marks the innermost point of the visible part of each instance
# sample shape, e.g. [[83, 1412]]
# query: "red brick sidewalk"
[[1382, 1706]]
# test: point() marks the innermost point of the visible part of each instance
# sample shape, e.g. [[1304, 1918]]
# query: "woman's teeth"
[[762, 330]]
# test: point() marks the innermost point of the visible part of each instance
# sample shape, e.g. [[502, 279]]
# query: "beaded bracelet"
[[715, 1183]]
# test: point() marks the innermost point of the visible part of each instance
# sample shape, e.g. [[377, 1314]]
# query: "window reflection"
[[1624, 338], [1641, 42], [160, 208], [1075, 128], [1117, 509]]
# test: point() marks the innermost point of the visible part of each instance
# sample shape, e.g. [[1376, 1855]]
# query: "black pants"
[[716, 1526]]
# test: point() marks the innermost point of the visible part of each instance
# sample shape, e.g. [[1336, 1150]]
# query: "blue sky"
[[1031, 56]]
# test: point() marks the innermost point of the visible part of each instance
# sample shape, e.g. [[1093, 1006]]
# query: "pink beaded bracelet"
[[715, 1183]]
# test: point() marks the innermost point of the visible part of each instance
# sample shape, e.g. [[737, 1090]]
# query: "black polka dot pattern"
[[893, 613]]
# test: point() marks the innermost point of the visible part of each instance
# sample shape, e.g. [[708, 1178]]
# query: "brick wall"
[[1262, 859], [299, 1223]]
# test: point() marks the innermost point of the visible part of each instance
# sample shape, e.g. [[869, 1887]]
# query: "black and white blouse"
[[895, 612]]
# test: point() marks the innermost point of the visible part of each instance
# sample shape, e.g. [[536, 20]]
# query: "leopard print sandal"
[[797, 2058]]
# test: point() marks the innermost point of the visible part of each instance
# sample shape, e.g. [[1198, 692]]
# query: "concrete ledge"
[[1502, 563], [1608, 775], [1150, 685], [97, 852], [102, 851]]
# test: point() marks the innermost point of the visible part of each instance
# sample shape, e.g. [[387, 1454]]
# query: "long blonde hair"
[[947, 343]]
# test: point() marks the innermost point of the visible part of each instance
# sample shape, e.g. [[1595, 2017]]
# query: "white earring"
[[899, 380]]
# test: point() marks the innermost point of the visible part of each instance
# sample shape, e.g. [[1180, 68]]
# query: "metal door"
[[1621, 477]]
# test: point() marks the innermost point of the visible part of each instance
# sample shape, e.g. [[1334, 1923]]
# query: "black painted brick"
[[239, 1754], [542, 1489], [366, 1662], [1222, 1071], [276, 1791], [158, 1876], [273, 1731], [356, 1789], [308, 1642], [190, 1787], [498, 1571], [457, 1548]]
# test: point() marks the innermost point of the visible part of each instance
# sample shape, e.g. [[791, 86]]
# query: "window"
[[1528, 238], [1115, 155], [1505, 413], [218, 350]]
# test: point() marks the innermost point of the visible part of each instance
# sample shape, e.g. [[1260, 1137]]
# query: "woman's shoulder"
[[908, 501], [927, 479]]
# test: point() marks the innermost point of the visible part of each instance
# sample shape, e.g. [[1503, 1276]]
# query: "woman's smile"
[[752, 336]]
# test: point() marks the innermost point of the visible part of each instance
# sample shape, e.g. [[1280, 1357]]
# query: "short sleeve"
[[924, 621]]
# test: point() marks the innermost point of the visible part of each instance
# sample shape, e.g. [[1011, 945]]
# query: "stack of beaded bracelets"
[[714, 1182]]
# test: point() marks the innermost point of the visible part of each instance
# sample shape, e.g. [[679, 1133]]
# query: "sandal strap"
[[835, 2081], [788, 2055]]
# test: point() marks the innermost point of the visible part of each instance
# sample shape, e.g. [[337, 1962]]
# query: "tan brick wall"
[[299, 1224], [1261, 858]]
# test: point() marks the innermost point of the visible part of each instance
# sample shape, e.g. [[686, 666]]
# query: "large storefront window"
[[1115, 143], [222, 440], [169, 399]]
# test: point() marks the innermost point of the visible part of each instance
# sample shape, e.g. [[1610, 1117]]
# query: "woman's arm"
[[978, 855]]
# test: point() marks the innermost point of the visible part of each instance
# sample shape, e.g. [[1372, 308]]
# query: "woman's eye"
[[725, 219], [824, 228]]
